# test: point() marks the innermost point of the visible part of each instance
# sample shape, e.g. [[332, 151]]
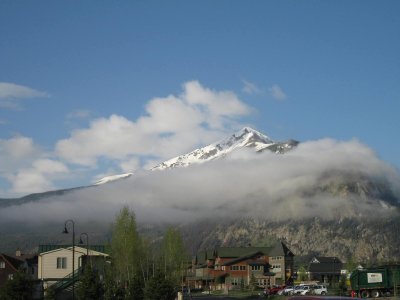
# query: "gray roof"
[[280, 249]]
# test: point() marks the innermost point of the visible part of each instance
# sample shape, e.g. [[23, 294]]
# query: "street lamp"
[[87, 244], [73, 252]]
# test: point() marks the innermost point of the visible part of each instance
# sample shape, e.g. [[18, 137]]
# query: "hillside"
[[321, 197]]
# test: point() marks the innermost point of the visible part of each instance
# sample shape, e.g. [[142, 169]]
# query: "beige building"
[[54, 265]]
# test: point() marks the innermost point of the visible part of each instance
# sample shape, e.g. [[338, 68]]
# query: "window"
[[262, 282], [256, 268], [276, 266], [235, 268], [2, 265], [242, 268], [61, 262], [235, 281]]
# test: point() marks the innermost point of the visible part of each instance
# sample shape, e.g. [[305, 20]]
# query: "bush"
[[159, 287]]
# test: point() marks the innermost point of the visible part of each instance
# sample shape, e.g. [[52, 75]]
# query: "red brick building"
[[235, 267]]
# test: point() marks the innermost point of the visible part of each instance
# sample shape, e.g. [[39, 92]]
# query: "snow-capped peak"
[[246, 137]]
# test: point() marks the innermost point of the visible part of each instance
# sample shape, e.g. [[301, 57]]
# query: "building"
[[234, 267], [55, 266], [325, 269], [9, 265]]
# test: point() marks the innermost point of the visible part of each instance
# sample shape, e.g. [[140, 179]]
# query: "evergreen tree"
[[20, 287], [90, 287], [136, 290], [253, 282], [50, 294], [160, 287]]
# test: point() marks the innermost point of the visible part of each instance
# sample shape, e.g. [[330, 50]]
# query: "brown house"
[[234, 267], [9, 265]]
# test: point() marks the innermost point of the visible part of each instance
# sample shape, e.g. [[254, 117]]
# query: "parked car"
[[303, 290], [287, 291], [320, 290], [274, 289], [322, 298]]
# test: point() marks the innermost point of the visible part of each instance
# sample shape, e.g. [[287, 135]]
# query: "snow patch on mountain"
[[112, 178], [247, 137]]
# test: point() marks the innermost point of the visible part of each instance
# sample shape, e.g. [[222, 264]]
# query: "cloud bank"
[[266, 185], [169, 126]]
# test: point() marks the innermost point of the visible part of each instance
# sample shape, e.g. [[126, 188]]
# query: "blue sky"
[[93, 88]]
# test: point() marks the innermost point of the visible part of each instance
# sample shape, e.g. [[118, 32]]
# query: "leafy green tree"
[[351, 264], [160, 287], [90, 287], [343, 283], [20, 287], [174, 254], [126, 248], [302, 274]]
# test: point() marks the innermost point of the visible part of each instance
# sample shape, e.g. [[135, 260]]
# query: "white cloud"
[[250, 88], [277, 92], [171, 125], [130, 165], [39, 177], [26, 167], [275, 187], [10, 93]]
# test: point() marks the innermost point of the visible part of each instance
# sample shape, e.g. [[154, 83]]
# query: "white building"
[[55, 265]]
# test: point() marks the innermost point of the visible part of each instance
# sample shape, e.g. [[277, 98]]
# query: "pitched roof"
[[325, 259], [280, 249], [235, 252], [12, 261], [203, 256], [47, 248], [77, 249], [242, 258], [325, 265]]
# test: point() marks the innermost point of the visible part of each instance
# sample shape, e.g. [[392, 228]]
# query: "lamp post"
[[73, 252], [334, 271], [87, 243]]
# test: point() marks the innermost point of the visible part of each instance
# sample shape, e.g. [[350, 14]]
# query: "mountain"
[[323, 198], [245, 138]]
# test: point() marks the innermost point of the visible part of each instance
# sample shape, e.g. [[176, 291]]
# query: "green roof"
[[203, 256]]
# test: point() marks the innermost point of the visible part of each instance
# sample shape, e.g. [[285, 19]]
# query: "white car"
[[320, 290], [286, 291], [303, 290]]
